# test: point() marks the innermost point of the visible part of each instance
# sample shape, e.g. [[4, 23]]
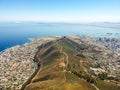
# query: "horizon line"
[[60, 22]]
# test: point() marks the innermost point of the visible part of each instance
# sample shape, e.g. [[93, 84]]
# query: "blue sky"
[[60, 10]]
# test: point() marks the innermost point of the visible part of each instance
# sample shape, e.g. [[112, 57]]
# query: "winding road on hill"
[[81, 63], [40, 62], [95, 86], [39, 68], [61, 51], [66, 59]]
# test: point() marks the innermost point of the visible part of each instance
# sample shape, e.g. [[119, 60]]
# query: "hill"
[[64, 65]]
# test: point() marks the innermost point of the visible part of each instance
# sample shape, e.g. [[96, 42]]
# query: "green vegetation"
[[102, 76], [104, 85], [63, 67]]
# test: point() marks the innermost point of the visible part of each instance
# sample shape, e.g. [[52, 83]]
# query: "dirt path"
[[66, 56], [40, 67], [30, 80], [95, 86], [66, 59], [81, 63]]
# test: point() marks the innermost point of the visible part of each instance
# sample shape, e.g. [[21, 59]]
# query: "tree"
[[103, 76]]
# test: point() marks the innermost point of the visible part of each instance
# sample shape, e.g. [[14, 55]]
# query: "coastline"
[[28, 41], [16, 60], [109, 35], [17, 63]]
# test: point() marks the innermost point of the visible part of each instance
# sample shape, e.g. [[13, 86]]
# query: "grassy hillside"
[[62, 66]]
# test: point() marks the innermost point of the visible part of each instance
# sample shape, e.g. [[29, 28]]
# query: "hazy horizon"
[[72, 11]]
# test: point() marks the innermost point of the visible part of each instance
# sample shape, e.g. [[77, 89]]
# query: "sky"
[[60, 10]]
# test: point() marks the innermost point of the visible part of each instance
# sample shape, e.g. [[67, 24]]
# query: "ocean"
[[12, 34]]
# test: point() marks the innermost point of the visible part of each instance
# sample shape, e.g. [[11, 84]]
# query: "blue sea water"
[[18, 33]]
